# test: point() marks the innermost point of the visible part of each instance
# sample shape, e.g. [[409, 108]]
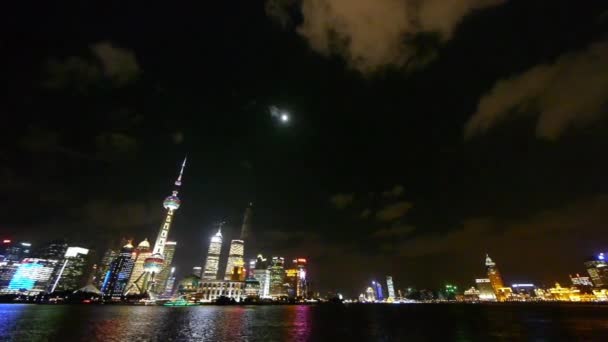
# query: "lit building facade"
[[54, 250], [235, 258], [370, 294], [70, 273], [119, 273], [170, 283], [391, 288], [137, 280], [277, 278], [494, 276], [32, 276], [252, 287], [262, 275], [598, 270], [211, 290], [13, 251], [164, 274], [302, 282], [378, 287], [104, 266], [486, 291], [212, 264]]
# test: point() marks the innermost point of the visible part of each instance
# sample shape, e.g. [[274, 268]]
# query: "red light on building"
[[302, 260], [6, 241]]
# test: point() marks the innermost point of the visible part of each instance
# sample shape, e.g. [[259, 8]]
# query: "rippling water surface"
[[452, 322]]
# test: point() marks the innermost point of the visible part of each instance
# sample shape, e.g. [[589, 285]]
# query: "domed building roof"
[[129, 245], [144, 244]]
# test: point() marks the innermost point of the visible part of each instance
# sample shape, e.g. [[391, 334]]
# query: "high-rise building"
[[13, 251], [378, 287], [391, 288], [235, 257], [262, 275], [197, 270], [170, 283], [277, 277], [164, 274], [70, 274], [494, 275], [213, 256], [291, 280], [137, 282], [117, 277], [104, 266], [598, 270], [252, 287], [32, 276], [370, 295], [54, 250], [302, 280]]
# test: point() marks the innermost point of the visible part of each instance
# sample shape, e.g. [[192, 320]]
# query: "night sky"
[[422, 134]]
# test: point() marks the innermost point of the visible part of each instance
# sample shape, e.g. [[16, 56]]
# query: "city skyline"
[[415, 136]]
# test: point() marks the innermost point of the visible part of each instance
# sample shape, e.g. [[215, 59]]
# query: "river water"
[[404, 322]]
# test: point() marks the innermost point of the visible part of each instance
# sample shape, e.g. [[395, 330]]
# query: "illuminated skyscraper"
[[32, 276], [235, 257], [370, 295], [213, 256], [277, 277], [13, 251], [70, 273], [598, 270], [302, 281], [170, 283], [137, 283], [391, 288], [262, 275], [494, 275], [119, 273], [54, 250], [104, 266], [163, 276], [378, 287]]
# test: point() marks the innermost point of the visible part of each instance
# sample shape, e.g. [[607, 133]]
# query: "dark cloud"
[[396, 191], [572, 91], [114, 145], [118, 65], [396, 231], [393, 211], [342, 201], [366, 213], [373, 34]]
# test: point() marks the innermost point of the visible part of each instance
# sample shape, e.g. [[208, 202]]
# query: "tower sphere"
[[172, 202], [154, 263]]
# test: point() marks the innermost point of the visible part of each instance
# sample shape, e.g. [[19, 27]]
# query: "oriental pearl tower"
[[155, 263]]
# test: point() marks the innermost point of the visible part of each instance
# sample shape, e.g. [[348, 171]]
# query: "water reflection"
[[302, 323]]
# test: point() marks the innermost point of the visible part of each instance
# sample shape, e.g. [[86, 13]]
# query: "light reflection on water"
[[303, 323]]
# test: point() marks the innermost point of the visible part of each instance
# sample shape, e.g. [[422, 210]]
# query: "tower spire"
[[178, 182]]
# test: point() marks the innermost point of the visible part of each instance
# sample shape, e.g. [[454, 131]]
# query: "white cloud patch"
[[572, 91], [118, 64], [374, 33]]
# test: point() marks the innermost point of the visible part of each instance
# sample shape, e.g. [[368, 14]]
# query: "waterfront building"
[[13, 251], [119, 273], [164, 274], [212, 263], [137, 280], [494, 276], [170, 283], [523, 291], [486, 291], [391, 288], [189, 286], [302, 281], [564, 294], [370, 295], [32, 276], [211, 290], [70, 273], [472, 294], [102, 269], [263, 277], [235, 258], [291, 281], [252, 287], [598, 270], [378, 287], [54, 250], [277, 278]]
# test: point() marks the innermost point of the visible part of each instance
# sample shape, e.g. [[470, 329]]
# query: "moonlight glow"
[[280, 114]]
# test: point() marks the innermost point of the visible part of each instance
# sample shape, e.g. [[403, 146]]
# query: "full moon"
[[284, 118]]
